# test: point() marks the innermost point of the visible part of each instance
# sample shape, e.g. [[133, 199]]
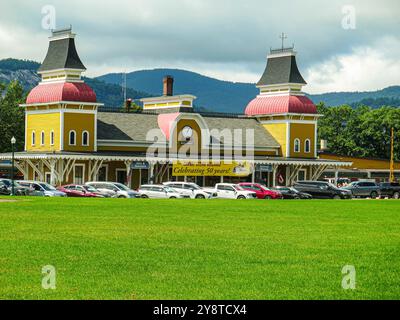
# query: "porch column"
[[151, 174], [128, 165], [336, 176], [53, 181], [274, 169]]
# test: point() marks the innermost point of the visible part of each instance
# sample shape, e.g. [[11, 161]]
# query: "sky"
[[342, 45]]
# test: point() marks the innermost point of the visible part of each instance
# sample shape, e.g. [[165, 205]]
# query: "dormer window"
[[85, 138], [72, 138], [297, 145], [42, 138], [307, 146], [52, 138]]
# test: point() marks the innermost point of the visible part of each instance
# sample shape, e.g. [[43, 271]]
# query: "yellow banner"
[[232, 169]]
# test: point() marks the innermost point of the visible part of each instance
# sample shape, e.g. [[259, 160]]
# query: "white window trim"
[[309, 146], [52, 138], [69, 138], [33, 138], [83, 172], [88, 138], [42, 138], [294, 145]]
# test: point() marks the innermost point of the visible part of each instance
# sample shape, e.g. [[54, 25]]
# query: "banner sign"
[[231, 169], [139, 165]]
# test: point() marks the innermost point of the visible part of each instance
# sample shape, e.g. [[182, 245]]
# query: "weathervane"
[[283, 36]]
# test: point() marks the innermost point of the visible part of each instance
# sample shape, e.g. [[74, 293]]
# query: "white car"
[[231, 191], [191, 190], [155, 191], [116, 190]]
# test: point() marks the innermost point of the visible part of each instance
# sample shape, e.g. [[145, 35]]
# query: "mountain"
[[25, 72], [224, 96], [212, 94]]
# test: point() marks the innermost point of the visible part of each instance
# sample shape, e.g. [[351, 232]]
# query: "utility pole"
[[392, 157]]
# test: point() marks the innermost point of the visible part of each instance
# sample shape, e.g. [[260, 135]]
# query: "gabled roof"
[[281, 69], [62, 53], [134, 127]]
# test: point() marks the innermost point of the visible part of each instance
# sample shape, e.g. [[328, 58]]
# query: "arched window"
[[52, 138], [42, 138], [33, 138], [72, 138], [296, 145], [85, 138], [307, 146]]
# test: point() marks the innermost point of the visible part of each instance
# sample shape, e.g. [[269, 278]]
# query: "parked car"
[[292, 193], [364, 189], [155, 191], [390, 189], [191, 190], [231, 191], [6, 186], [322, 190], [262, 192], [120, 190], [41, 189], [74, 190]]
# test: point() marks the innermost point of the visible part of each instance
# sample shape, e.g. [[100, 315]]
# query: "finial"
[[283, 36]]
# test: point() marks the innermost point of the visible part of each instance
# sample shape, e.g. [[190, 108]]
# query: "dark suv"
[[364, 189], [322, 190], [390, 189]]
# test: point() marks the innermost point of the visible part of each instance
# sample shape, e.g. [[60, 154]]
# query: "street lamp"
[[13, 141]]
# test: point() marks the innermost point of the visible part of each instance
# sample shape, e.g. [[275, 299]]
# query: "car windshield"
[[264, 187], [169, 189], [47, 187], [90, 188], [194, 186], [122, 186], [294, 190]]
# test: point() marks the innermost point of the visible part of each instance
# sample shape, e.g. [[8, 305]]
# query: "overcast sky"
[[226, 39]]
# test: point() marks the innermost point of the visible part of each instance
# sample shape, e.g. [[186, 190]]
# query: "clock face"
[[187, 132]]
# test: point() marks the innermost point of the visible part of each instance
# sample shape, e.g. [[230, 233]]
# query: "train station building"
[[71, 138]]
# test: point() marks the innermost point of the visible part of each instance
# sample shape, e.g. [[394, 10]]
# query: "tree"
[[361, 131], [11, 116]]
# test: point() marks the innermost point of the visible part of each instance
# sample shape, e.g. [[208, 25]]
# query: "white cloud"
[[364, 69]]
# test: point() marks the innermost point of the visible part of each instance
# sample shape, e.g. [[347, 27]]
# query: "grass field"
[[187, 249]]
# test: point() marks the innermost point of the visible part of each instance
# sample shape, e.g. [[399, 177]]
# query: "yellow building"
[[70, 138]]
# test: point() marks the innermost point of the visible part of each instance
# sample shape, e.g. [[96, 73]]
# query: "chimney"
[[168, 86]]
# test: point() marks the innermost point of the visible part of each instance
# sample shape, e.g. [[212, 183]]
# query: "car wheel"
[[200, 196], [121, 197], [336, 197], [172, 197], [374, 194], [143, 196], [396, 195], [267, 197], [241, 197]]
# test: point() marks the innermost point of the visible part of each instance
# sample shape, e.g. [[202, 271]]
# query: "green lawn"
[[188, 249]]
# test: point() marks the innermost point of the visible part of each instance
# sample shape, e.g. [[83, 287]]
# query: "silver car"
[[119, 190], [159, 192], [41, 189]]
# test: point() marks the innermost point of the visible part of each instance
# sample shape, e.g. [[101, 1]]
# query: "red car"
[[74, 190], [262, 192]]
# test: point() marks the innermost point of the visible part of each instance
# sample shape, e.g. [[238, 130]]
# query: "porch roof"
[[130, 156]]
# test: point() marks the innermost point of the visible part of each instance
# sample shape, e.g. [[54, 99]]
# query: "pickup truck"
[[390, 189], [231, 191]]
